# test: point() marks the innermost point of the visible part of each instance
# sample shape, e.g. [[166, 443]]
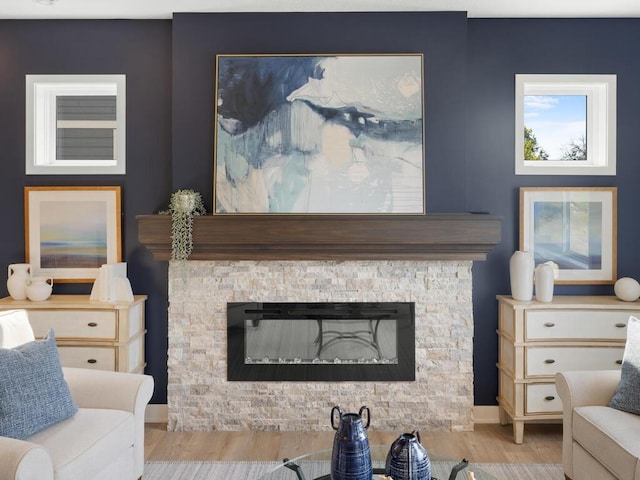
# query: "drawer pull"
[[619, 362], [621, 325], [92, 324], [549, 360], [549, 324], [92, 360], [549, 398]]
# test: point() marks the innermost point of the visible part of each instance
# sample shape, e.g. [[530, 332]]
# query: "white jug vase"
[[521, 275], [17, 276], [39, 288]]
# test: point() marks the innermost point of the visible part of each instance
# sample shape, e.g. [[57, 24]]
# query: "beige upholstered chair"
[[104, 440], [599, 442]]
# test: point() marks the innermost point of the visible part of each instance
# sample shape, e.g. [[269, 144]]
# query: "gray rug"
[[253, 471]]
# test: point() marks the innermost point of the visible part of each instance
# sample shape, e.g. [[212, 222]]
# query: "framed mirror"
[[75, 124]]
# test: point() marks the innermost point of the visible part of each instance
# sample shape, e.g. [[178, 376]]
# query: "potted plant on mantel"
[[184, 205]]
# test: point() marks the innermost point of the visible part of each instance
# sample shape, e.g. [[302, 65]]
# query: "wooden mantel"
[[310, 237]]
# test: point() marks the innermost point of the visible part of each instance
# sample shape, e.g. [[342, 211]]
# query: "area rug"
[[254, 470]]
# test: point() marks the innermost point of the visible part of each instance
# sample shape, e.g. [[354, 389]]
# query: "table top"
[[317, 466]]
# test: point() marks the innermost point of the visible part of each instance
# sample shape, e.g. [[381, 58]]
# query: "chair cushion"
[[15, 328], [627, 396], [85, 444], [33, 392], [610, 436]]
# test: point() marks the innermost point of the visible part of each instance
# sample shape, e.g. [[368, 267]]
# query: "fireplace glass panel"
[[324, 340], [321, 341]]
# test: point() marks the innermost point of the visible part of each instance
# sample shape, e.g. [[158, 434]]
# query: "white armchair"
[[104, 440], [599, 442]]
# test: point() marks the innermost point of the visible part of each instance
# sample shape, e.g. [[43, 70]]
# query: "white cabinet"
[[536, 340], [90, 334]]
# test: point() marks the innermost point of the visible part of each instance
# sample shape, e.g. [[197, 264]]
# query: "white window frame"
[[41, 124], [600, 91]]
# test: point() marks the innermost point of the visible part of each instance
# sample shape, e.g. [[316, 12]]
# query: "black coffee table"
[[317, 466]]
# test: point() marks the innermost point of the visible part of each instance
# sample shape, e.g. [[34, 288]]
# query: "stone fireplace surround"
[[200, 398], [425, 259]]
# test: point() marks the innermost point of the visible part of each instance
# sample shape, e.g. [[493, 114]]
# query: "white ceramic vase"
[[17, 277], [544, 278], [39, 288], [627, 289], [521, 275]]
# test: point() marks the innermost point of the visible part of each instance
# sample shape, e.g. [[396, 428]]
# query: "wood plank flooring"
[[487, 444]]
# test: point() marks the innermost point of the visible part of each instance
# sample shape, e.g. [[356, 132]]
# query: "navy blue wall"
[[469, 80], [498, 49], [197, 38], [142, 51]]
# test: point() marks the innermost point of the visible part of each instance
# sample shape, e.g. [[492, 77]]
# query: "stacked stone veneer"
[[200, 398]]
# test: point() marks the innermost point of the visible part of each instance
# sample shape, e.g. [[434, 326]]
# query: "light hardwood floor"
[[487, 444]]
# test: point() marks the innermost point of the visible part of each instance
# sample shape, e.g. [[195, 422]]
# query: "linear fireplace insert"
[[321, 341]]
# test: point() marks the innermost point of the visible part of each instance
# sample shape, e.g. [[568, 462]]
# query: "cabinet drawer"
[[97, 358], [74, 324], [542, 398], [577, 324], [546, 361]]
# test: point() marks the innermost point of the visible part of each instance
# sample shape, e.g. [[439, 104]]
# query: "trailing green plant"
[[184, 205]]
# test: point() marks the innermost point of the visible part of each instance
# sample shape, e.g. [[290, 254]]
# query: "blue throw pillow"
[[33, 392], [627, 396]]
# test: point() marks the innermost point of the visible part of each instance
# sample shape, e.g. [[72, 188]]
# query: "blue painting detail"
[[319, 134]]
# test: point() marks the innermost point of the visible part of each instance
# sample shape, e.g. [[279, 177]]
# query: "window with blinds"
[[86, 127], [76, 124]]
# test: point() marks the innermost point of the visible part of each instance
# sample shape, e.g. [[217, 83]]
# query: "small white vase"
[[39, 288], [627, 289], [544, 282], [521, 275], [17, 276]]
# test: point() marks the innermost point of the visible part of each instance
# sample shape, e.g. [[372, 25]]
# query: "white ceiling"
[[156, 9]]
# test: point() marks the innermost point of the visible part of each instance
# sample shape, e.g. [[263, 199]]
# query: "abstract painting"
[[72, 231], [311, 134]]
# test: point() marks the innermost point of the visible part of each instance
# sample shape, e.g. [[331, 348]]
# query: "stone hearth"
[[200, 397]]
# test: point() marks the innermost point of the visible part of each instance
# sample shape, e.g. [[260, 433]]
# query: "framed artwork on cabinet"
[[71, 231], [573, 227]]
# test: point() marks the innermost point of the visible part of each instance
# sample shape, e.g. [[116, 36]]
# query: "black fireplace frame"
[[239, 312]]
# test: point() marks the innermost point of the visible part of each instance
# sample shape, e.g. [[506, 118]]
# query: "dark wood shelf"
[[315, 237]]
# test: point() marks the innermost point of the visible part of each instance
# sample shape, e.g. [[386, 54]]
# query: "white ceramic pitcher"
[[39, 288], [17, 277]]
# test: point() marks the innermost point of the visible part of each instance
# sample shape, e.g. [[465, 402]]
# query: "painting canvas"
[[72, 231], [310, 134], [573, 227]]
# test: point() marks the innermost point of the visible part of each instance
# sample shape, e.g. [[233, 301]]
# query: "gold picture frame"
[[575, 227], [71, 231]]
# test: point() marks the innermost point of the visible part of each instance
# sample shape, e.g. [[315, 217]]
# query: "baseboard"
[[156, 413], [159, 413], [486, 414]]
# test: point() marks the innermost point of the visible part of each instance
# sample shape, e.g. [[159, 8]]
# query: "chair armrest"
[[112, 390], [584, 388], [20, 460], [581, 389]]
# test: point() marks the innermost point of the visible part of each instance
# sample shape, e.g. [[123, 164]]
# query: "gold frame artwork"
[[71, 231], [575, 227]]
